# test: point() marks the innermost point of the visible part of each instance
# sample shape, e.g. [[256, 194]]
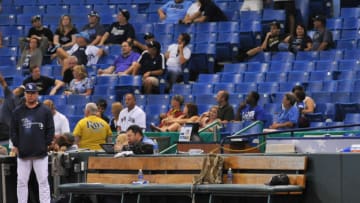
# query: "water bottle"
[[156, 147], [140, 175], [229, 176]]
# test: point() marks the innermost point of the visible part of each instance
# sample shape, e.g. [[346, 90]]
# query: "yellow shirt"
[[92, 132]]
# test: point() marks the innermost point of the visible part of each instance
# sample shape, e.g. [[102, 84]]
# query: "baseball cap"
[[31, 87], [148, 35], [84, 35], [281, 179], [154, 44], [93, 13], [320, 18], [35, 18], [125, 13]]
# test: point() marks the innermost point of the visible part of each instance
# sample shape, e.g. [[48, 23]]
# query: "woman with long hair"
[[65, 33]]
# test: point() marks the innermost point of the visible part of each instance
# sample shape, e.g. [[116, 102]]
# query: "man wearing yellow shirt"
[[92, 130]]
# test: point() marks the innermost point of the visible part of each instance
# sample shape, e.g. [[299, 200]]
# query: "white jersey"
[[135, 116], [252, 5], [61, 123], [91, 53], [195, 7], [173, 62]]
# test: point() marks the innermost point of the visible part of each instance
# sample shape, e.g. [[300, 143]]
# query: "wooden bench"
[[173, 175]]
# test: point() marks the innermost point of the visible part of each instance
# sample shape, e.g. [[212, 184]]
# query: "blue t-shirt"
[[250, 113], [122, 63], [175, 11], [291, 115]]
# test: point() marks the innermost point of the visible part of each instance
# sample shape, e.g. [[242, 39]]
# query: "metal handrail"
[[236, 135]]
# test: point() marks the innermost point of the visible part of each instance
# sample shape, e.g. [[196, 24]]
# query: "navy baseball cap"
[[31, 87], [154, 44], [93, 13], [148, 35]]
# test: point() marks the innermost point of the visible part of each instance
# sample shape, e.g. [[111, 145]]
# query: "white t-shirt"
[[193, 9], [173, 62], [252, 5], [91, 53], [61, 123], [134, 117]]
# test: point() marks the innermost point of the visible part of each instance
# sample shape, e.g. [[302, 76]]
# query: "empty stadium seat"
[[77, 99], [205, 99], [307, 55], [235, 67], [326, 65], [253, 77], [201, 88], [208, 78], [231, 78], [268, 87], [160, 99], [327, 109], [257, 67], [229, 87], [280, 66], [276, 77], [245, 87], [298, 76], [181, 89]]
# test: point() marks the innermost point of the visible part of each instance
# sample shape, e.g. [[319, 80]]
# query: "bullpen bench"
[[173, 175]]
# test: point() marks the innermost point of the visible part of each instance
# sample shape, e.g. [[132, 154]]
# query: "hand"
[[147, 74], [268, 34], [2, 81], [100, 71], [14, 151], [274, 126], [162, 16], [52, 92]]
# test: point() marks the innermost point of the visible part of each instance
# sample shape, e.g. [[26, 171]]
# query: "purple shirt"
[[122, 63]]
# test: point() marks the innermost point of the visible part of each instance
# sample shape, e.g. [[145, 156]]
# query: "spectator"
[[190, 115], [300, 41], [71, 139], [249, 110], [41, 33], [30, 56], [150, 65], [226, 111], [322, 38], [67, 69], [121, 141], [191, 12], [138, 142], [62, 144], [45, 84], [32, 131], [116, 108], [81, 84], [308, 103], [174, 112], [288, 117], [176, 56], [131, 115], [270, 43], [65, 33], [119, 31], [9, 103], [290, 9], [92, 131], [209, 117], [252, 5], [122, 62], [101, 105], [94, 28], [61, 123], [86, 54], [173, 11], [139, 47], [208, 12]]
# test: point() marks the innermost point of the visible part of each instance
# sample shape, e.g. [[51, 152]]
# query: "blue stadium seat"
[[282, 56], [11, 9], [287, 86], [350, 12], [272, 108], [298, 76], [245, 87], [51, 20], [307, 55], [335, 54], [106, 8], [155, 109], [107, 80], [276, 77], [317, 124], [205, 37], [345, 85], [68, 109], [250, 15], [271, 15], [7, 19], [340, 97], [235, 99], [253, 77], [320, 76], [181, 89], [202, 108], [35, 9], [268, 87], [336, 123], [104, 90], [315, 117], [201, 88], [229, 26], [264, 98], [329, 86], [327, 109], [208, 78], [80, 9], [250, 36], [257, 67], [110, 98], [346, 44], [349, 64], [326, 65], [351, 23], [205, 99], [341, 109], [235, 67], [47, 70], [163, 99], [314, 86], [204, 48], [334, 23], [231, 78], [351, 54], [232, 127], [140, 17], [57, 9], [261, 57], [58, 100], [8, 60], [206, 27], [349, 34], [73, 120], [163, 28], [346, 75], [321, 97], [8, 51], [77, 99], [140, 99], [336, 34], [24, 3], [180, 28], [71, 2], [223, 86], [306, 66], [280, 66], [352, 117]]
